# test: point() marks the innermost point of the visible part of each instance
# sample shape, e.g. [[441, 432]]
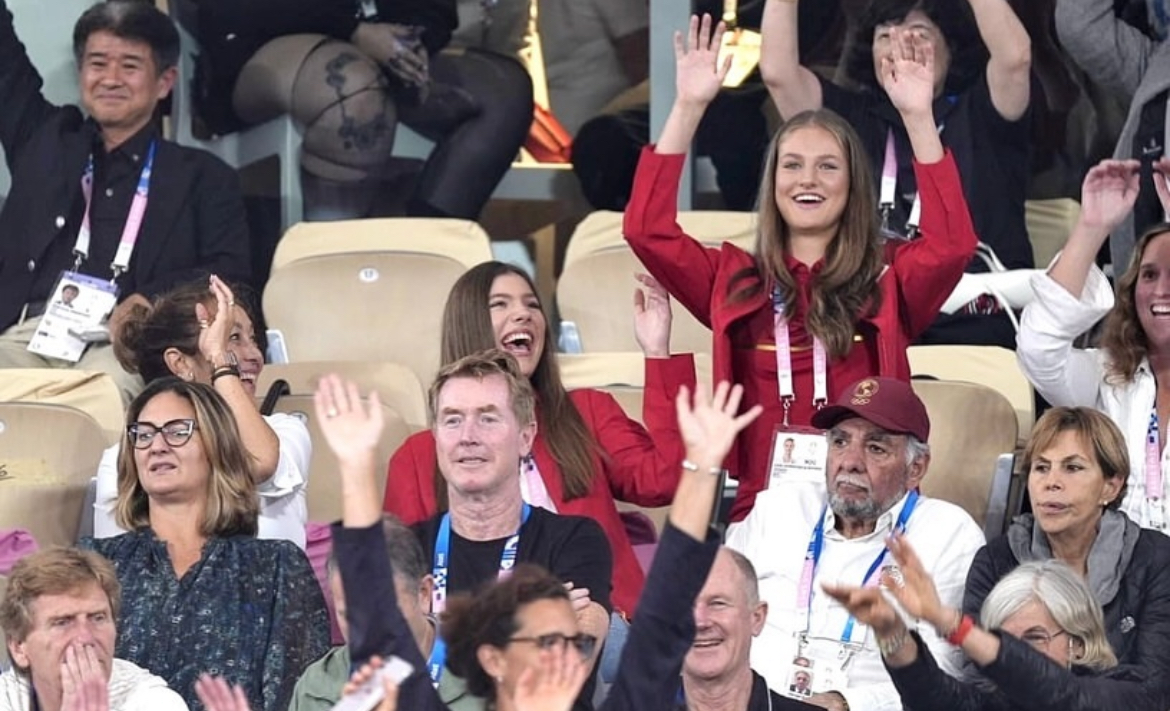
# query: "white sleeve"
[[106, 496], [950, 579], [283, 505], [1062, 374]]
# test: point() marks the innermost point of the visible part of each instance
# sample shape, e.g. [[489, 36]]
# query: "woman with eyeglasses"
[[1041, 642], [201, 333], [517, 642], [1077, 466], [202, 592]]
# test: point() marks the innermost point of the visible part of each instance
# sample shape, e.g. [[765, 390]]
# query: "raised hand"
[[1162, 183], [216, 332], [698, 73], [912, 586], [84, 680], [709, 427], [652, 317], [553, 683], [352, 428], [1109, 192], [217, 695], [907, 73]]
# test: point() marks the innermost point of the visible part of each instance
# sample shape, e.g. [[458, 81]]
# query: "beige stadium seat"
[[324, 492], [375, 306], [623, 376], [972, 436], [47, 455], [596, 288], [992, 366], [1049, 223], [397, 386], [460, 240], [92, 392]]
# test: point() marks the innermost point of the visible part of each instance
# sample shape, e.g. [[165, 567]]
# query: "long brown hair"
[[1123, 337], [847, 288], [467, 329]]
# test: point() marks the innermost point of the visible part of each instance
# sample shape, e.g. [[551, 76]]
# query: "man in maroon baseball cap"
[[802, 532]]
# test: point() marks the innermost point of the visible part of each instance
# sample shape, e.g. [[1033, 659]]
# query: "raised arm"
[[793, 87], [1010, 66], [24, 108], [698, 78], [907, 75], [1111, 51]]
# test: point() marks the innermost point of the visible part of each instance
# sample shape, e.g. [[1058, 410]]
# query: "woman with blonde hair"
[[1041, 642], [206, 594], [821, 302], [1127, 376], [1076, 468]]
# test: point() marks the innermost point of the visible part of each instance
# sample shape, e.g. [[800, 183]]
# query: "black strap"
[[277, 390]]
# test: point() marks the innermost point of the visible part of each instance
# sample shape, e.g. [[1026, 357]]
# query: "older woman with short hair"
[[1041, 643], [205, 594], [1077, 469]]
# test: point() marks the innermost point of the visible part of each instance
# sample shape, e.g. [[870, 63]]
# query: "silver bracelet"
[[692, 467], [891, 646]]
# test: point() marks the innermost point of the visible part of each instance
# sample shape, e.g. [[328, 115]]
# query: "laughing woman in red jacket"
[[587, 452], [820, 280]]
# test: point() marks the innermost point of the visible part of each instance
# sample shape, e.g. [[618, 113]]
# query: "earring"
[[189, 376]]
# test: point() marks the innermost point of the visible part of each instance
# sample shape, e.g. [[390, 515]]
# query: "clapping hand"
[[698, 73], [652, 317], [907, 73], [1109, 192]]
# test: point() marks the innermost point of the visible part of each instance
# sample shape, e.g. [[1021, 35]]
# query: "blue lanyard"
[[812, 558], [439, 570]]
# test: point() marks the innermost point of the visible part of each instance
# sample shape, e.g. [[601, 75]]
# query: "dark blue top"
[[249, 610]]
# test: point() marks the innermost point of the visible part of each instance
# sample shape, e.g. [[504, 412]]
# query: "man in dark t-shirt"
[[482, 410]]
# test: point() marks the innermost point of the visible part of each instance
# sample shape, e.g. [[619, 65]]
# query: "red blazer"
[[639, 467], [920, 276]]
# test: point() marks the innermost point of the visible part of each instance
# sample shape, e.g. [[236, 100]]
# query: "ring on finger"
[[332, 412]]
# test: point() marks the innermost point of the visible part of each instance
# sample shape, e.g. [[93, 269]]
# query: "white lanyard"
[[889, 192], [784, 361], [133, 226], [1153, 475]]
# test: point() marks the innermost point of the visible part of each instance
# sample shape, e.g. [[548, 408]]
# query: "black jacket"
[[1137, 619], [194, 222], [1024, 679]]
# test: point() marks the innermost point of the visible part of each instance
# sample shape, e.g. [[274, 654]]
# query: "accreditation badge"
[[798, 454], [77, 308]]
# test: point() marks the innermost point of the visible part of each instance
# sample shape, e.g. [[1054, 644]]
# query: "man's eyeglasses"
[[176, 433], [1040, 639], [585, 644]]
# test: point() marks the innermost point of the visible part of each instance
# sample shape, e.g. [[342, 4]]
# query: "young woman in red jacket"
[[823, 300], [587, 452]]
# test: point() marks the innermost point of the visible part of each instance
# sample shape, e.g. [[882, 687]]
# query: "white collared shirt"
[[775, 537], [1079, 377]]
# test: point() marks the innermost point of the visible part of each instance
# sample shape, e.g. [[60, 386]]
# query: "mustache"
[[853, 480]]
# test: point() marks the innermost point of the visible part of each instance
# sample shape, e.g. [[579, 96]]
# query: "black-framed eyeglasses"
[[1040, 639], [176, 433], [585, 644]]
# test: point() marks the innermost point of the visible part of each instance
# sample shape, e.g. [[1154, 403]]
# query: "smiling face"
[[478, 439], [169, 472], [726, 620], [241, 343], [120, 84], [1068, 488], [1151, 293], [78, 619], [922, 30], [812, 181], [867, 472], [517, 320]]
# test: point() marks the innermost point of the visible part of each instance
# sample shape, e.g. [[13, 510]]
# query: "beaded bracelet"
[[692, 467]]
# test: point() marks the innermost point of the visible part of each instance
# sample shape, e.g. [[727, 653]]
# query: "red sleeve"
[[643, 466], [410, 490], [928, 268], [684, 266]]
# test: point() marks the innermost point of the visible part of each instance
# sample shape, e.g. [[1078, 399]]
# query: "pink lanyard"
[[130, 230], [1153, 459], [784, 361], [537, 492]]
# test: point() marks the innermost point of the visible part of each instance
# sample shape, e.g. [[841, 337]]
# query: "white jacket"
[[132, 688], [1077, 377]]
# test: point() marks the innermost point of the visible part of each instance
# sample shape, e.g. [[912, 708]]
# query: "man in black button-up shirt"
[[193, 224]]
